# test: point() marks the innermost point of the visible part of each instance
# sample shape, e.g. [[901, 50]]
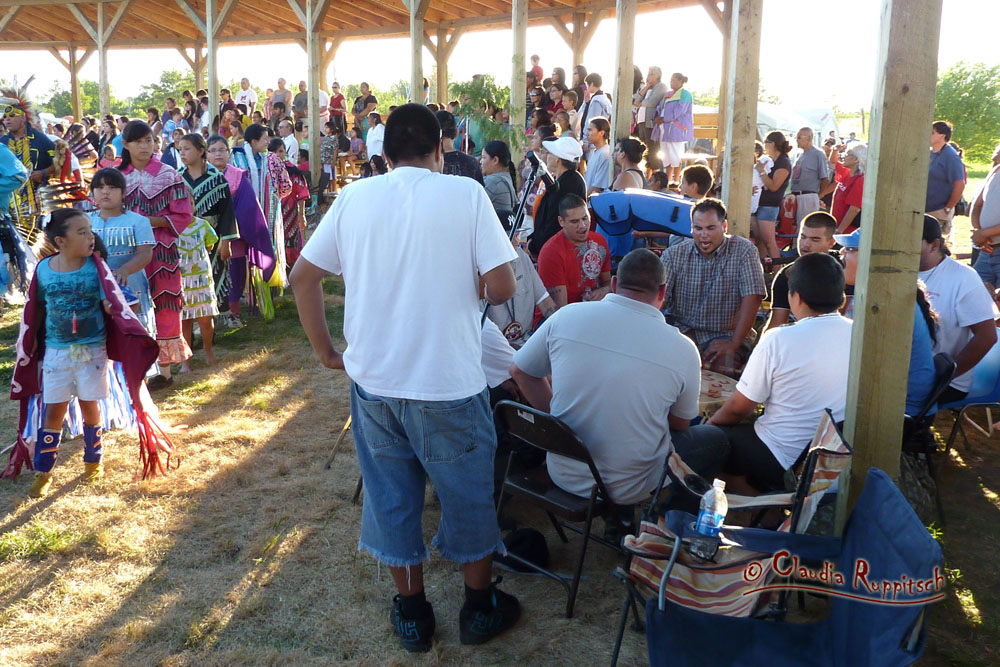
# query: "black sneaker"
[[416, 634], [476, 627]]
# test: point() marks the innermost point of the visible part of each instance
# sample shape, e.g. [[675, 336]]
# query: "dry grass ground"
[[247, 553]]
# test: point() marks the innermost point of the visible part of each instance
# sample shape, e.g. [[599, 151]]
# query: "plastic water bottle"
[[710, 519]]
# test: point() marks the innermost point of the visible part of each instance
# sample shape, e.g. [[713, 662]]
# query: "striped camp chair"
[[720, 586]]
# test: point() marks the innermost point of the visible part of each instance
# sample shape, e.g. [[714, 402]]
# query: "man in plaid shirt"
[[714, 288]]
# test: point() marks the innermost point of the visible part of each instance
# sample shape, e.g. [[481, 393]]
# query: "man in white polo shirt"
[[419, 405], [796, 371], [625, 381]]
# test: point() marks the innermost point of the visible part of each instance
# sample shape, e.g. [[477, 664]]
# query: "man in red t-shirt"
[[537, 70], [575, 265]]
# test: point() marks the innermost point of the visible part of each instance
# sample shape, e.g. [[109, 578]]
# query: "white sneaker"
[[233, 321]]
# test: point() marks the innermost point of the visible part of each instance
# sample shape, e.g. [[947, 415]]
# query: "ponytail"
[[126, 159]]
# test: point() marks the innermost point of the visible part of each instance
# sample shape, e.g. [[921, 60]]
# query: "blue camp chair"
[[985, 393], [884, 531], [621, 212]]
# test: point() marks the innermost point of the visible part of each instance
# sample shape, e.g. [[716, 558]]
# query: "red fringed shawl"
[[127, 342]]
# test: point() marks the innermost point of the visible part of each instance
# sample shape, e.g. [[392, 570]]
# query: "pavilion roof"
[[45, 24]]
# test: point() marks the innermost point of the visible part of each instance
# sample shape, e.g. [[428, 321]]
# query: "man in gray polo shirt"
[[625, 381], [810, 175]]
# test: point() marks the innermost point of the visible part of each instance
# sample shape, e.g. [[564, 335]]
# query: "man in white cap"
[[561, 156]]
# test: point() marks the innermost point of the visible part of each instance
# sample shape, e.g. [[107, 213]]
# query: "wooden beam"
[[518, 95], [84, 21], [325, 59], [192, 15], [58, 56], [186, 57], [430, 45], [418, 8], [104, 83], [313, 59], [199, 67], [712, 9], [212, 58], [82, 60], [741, 130], [74, 85], [116, 20], [8, 17], [892, 220], [723, 107], [299, 12], [593, 23], [320, 12], [621, 124], [561, 29], [224, 14], [42, 3]]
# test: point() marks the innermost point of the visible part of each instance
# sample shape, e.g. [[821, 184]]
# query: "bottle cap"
[[719, 484]]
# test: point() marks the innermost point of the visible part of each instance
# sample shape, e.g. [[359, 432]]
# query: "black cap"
[[932, 229]]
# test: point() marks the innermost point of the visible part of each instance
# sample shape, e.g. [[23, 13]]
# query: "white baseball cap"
[[565, 148]]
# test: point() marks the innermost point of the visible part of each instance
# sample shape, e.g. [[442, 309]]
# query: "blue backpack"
[[621, 212]]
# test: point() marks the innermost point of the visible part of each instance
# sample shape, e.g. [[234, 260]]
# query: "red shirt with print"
[[560, 262], [849, 192]]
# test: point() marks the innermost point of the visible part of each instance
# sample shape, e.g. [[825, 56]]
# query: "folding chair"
[[719, 586], [879, 629], [914, 426], [545, 432], [985, 393]]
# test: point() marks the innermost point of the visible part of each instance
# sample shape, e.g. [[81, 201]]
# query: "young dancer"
[[76, 359]]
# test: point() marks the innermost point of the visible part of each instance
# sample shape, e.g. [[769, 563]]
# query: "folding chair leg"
[[340, 439], [558, 527], [621, 627], [575, 585], [357, 490], [957, 426]]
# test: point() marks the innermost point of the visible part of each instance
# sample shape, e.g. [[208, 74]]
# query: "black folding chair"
[[917, 438], [545, 432]]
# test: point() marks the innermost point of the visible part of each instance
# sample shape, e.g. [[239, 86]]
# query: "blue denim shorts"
[[988, 267], [400, 443], [767, 213]]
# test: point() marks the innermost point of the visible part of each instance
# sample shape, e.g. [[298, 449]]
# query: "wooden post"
[[312, 81], [621, 124], [741, 130], [212, 46], [418, 8], [199, 67], [577, 46], [518, 81], [102, 59], [74, 84], [892, 220], [326, 57], [443, 51], [723, 119]]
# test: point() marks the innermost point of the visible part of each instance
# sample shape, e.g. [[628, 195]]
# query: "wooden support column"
[[621, 124], [892, 224], [442, 52], [723, 107], [212, 48], [74, 84], [418, 9], [199, 67], [327, 55], [102, 55], [518, 81], [741, 128]]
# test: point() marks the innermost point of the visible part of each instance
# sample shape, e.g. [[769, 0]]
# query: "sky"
[[813, 53]]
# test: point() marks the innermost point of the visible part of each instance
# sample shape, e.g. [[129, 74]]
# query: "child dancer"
[[75, 361]]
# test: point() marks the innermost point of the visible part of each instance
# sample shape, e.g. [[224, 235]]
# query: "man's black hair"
[[818, 279], [642, 271], [447, 121], [594, 79], [699, 175], [943, 127], [710, 204], [570, 202], [821, 220], [412, 131], [254, 133]]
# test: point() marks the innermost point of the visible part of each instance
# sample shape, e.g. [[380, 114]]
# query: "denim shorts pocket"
[[449, 433], [374, 429]]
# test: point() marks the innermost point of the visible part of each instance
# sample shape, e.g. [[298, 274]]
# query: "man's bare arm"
[[501, 283], [737, 408], [558, 294], [306, 281], [537, 391]]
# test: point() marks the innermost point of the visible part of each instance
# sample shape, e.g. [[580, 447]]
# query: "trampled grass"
[[247, 554]]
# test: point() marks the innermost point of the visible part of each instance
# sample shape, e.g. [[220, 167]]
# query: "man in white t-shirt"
[[625, 381], [287, 133], [966, 312], [419, 405], [246, 96], [796, 371]]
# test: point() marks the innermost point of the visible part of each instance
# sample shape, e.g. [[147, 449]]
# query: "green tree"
[[171, 84], [968, 95], [475, 97], [60, 102]]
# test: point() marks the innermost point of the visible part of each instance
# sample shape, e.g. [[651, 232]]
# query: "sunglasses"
[[12, 111]]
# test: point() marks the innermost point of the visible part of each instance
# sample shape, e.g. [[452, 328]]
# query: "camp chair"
[[883, 532], [985, 393], [944, 373], [719, 586], [545, 432]]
